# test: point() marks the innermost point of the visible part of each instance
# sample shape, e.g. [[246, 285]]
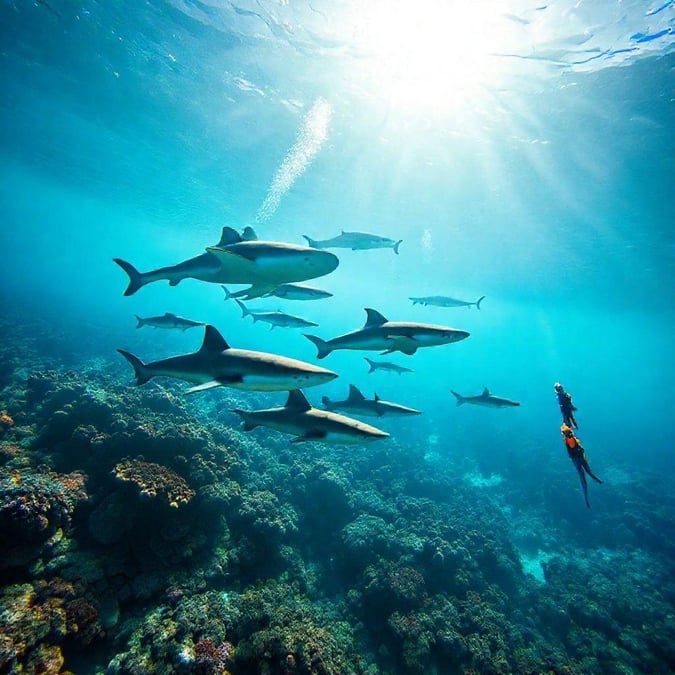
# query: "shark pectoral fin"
[[203, 387], [404, 344], [309, 436], [174, 282], [258, 291], [230, 260]]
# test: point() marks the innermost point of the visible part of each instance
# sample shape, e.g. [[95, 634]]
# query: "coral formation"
[[250, 556], [154, 480]]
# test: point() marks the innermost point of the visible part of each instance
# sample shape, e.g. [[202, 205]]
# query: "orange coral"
[[5, 420]]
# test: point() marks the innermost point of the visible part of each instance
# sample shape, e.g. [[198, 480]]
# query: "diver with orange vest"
[[577, 454]]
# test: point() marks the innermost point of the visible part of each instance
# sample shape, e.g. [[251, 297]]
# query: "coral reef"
[[154, 480], [142, 533]]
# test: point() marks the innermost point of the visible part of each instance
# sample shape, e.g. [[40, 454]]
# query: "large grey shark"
[[386, 365], [306, 423], [286, 292], [378, 333], [262, 264], [358, 404], [445, 301], [356, 241], [275, 318], [216, 364], [167, 321], [486, 399]]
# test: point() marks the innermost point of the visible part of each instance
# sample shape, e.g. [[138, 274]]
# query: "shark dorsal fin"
[[374, 318], [170, 314], [213, 341], [229, 236], [297, 400], [377, 398], [249, 234], [355, 393], [486, 392]]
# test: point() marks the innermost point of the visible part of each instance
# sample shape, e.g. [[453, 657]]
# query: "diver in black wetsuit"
[[577, 454], [567, 408]]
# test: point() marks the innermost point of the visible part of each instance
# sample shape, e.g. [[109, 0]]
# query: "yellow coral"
[[154, 480]]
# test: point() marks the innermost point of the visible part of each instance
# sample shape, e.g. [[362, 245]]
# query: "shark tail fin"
[[326, 402], [141, 322], [141, 371], [371, 365], [459, 397], [245, 311], [323, 348], [228, 295], [311, 242], [396, 245], [482, 297], [135, 277]]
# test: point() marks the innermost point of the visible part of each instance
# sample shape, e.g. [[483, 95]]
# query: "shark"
[[307, 423], [264, 265], [168, 321], [486, 399], [386, 365], [444, 301], [358, 404], [216, 364], [286, 292], [378, 333], [275, 318], [356, 241]]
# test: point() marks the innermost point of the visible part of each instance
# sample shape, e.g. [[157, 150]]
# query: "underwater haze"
[[520, 151]]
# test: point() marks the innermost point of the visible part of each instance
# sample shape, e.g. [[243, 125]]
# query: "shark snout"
[[316, 378], [323, 262], [456, 335]]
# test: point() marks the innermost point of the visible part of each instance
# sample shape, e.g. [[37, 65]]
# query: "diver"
[[567, 408], [577, 454]]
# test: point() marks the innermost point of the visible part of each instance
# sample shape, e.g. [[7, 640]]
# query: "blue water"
[[138, 130]]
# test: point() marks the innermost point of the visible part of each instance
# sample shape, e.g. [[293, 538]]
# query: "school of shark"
[[277, 269]]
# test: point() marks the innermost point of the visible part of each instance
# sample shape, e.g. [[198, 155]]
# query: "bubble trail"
[[311, 137]]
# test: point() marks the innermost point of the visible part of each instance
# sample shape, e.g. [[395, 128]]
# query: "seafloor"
[[141, 533]]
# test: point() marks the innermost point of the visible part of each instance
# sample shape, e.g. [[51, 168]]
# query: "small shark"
[[216, 364], [300, 292], [486, 399], [285, 291], [444, 301], [275, 318], [378, 333], [262, 264], [357, 241], [306, 423], [358, 404], [387, 365], [168, 320]]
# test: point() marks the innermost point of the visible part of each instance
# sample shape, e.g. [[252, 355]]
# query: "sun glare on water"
[[434, 53]]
